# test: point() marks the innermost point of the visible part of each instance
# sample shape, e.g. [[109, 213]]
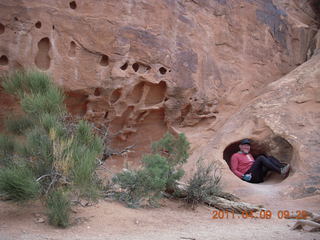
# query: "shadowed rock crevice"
[[73, 5], [115, 95], [104, 61], [140, 67], [38, 24], [4, 61], [42, 59], [2, 28], [72, 49]]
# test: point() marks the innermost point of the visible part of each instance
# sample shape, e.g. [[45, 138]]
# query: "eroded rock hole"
[[124, 66], [2, 28], [119, 123], [136, 93], [16, 19], [156, 93], [115, 95], [73, 5], [4, 60], [72, 49], [163, 70], [275, 146], [104, 61], [97, 92], [140, 67], [42, 59], [77, 103], [106, 115], [38, 24]]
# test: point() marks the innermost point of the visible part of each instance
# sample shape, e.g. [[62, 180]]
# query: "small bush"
[[18, 124], [159, 173], [144, 185], [18, 183], [59, 208], [57, 151], [204, 183], [7, 147], [175, 150]]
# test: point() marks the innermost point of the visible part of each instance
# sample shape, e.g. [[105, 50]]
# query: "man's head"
[[245, 145]]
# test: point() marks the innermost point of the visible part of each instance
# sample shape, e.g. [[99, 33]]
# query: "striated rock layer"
[[143, 67]]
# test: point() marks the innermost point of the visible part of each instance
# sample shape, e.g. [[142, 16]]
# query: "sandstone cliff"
[[209, 68]]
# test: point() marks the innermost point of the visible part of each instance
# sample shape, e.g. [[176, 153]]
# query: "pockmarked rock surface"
[[144, 67]]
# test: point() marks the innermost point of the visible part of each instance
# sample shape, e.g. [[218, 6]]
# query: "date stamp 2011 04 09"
[[262, 214]]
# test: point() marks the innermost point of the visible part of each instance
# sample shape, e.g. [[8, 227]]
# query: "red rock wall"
[[145, 65]]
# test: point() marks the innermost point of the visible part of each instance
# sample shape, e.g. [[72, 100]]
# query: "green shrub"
[[18, 183], [7, 147], [56, 152], [18, 124], [204, 183], [159, 173], [144, 185], [175, 150], [59, 208]]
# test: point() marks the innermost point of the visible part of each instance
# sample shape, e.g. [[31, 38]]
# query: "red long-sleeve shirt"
[[241, 163]]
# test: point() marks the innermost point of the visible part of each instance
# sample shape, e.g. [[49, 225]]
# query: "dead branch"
[[109, 152], [302, 223]]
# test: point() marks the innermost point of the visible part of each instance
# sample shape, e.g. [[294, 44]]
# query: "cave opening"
[[275, 146]]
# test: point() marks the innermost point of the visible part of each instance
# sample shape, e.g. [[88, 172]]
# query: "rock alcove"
[[275, 146]]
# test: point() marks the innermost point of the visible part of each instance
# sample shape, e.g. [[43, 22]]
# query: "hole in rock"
[[76, 102], [38, 24], [2, 28], [53, 27], [104, 60], [97, 92], [156, 93], [73, 5], [119, 122], [106, 115], [140, 67], [135, 67], [42, 59], [136, 93], [72, 49], [274, 146], [115, 95], [16, 19], [124, 66], [163, 70], [4, 60]]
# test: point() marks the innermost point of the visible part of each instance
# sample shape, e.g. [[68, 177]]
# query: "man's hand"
[[247, 177]]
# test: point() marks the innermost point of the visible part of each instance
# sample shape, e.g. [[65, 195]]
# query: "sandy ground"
[[111, 220]]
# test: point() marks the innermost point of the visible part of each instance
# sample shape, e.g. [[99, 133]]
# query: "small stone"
[[40, 220]]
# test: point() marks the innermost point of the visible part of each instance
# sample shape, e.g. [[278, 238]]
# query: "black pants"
[[262, 165]]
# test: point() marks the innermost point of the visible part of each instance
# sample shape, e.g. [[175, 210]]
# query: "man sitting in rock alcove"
[[254, 170]]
